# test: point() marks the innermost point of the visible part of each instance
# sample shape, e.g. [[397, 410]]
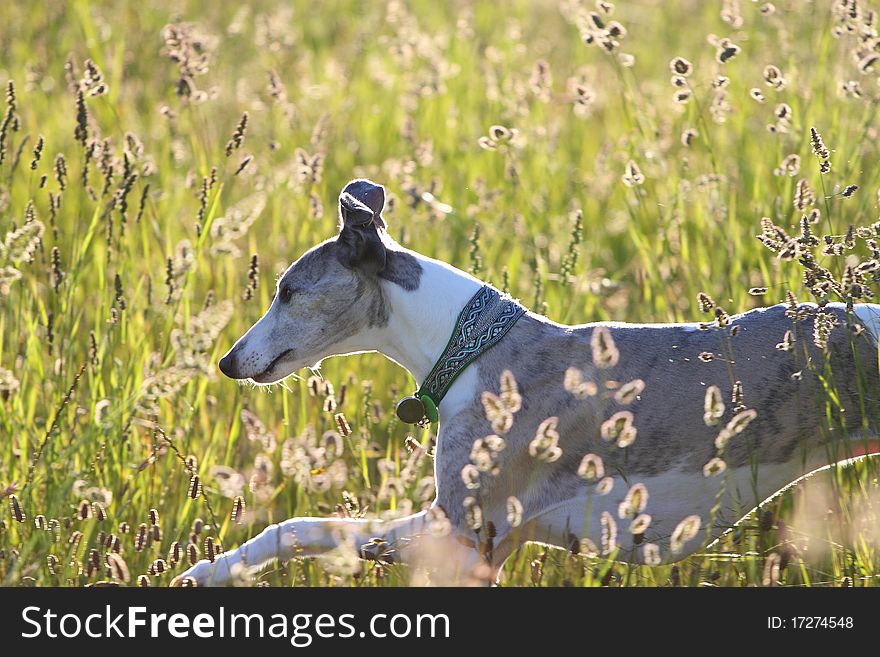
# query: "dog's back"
[[803, 397]]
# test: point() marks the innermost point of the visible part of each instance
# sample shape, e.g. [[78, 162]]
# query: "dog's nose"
[[227, 365]]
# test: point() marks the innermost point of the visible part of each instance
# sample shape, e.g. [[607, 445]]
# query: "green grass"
[[401, 94]]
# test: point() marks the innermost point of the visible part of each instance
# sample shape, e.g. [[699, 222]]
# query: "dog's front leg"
[[306, 537]]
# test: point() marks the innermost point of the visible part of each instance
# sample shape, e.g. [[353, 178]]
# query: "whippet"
[[613, 438]]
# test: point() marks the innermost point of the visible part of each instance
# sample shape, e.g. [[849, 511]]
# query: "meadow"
[[161, 163]]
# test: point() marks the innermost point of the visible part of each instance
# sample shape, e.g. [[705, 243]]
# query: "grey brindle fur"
[[339, 294]]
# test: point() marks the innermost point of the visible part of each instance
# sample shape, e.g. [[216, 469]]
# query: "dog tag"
[[410, 410]]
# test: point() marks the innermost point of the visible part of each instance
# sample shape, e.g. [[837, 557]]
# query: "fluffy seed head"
[[714, 467], [510, 396], [605, 485], [681, 66], [685, 531], [238, 510], [497, 412], [605, 353], [575, 385], [609, 532], [633, 176], [514, 511], [651, 554], [619, 428], [713, 406], [545, 445], [640, 524], [629, 392], [634, 502], [737, 425], [591, 468]]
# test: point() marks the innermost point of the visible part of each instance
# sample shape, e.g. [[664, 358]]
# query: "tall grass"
[[163, 163]]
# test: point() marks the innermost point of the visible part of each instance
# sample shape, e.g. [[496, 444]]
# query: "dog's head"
[[329, 298]]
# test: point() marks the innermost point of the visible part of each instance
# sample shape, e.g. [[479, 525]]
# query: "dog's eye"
[[285, 293]]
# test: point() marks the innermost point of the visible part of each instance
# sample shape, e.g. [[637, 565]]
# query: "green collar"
[[484, 320]]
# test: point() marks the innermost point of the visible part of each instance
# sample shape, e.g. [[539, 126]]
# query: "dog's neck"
[[420, 321]]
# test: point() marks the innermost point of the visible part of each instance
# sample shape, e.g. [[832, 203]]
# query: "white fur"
[[422, 320], [869, 315]]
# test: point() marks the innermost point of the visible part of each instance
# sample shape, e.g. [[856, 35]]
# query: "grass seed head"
[[15, 506], [473, 513], [714, 467], [509, 392], [634, 502], [238, 510], [514, 511], [713, 406], [545, 444], [609, 532], [605, 353], [195, 487], [591, 468], [342, 424], [192, 554], [497, 412], [685, 531], [681, 66], [633, 176], [640, 524], [651, 554], [175, 552], [705, 302], [629, 392], [618, 427]]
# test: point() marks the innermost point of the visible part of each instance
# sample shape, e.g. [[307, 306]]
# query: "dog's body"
[[363, 292]]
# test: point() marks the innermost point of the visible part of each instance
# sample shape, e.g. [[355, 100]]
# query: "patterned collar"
[[484, 320]]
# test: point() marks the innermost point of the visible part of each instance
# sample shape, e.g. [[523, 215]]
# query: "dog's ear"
[[369, 194], [361, 226]]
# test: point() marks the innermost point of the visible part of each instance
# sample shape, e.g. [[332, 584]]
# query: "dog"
[[638, 441]]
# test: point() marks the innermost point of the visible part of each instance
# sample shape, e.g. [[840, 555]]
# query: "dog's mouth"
[[267, 376]]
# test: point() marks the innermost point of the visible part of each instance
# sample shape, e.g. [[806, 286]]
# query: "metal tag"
[[410, 410]]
